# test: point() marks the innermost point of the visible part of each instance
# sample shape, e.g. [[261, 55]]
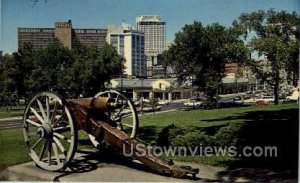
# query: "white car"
[[294, 96], [250, 100], [192, 103], [163, 102], [146, 100], [150, 109], [267, 98]]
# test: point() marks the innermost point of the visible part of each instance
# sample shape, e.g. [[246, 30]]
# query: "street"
[[10, 123], [16, 122]]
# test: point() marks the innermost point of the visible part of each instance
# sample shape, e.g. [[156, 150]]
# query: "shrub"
[[193, 139], [228, 135], [209, 104], [168, 133]]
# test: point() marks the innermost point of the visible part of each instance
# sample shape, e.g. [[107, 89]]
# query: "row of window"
[[150, 23], [92, 31], [34, 30]]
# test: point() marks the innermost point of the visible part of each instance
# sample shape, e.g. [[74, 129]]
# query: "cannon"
[[51, 124]]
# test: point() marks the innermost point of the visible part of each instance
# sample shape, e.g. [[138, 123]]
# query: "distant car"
[[146, 100], [269, 99], [250, 100], [150, 109], [163, 102], [136, 102], [193, 103], [238, 100], [294, 96]]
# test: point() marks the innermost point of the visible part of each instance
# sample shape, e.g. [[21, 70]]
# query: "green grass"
[[213, 160], [10, 114], [201, 118], [15, 111], [13, 150], [152, 125]]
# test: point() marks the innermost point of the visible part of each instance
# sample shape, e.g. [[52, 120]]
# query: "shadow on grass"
[[267, 128], [148, 134]]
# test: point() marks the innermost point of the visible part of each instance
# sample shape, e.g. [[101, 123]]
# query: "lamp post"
[[141, 77], [122, 81]]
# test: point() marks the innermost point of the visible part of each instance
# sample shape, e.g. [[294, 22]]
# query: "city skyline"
[[100, 14]]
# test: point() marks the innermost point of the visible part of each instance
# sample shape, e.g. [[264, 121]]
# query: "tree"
[[51, 66], [199, 53], [153, 103], [93, 67], [4, 80], [276, 35], [83, 70]]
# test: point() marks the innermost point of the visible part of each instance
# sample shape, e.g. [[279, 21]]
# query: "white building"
[[162, 89], [130, 44], [155, 38]]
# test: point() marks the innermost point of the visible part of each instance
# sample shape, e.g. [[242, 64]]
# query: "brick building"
[[63, 31]]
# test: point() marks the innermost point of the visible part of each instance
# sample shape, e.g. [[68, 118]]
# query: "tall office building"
[[63, 31], [155, 38], [130, 44]]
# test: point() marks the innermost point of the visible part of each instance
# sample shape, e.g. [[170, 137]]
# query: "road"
[[17, 122], [10, 123], [171, 106]]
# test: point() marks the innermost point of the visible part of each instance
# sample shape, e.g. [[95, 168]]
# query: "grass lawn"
[[15, 111], [13, 150], [206, 118], [12, 147], [273, 124]]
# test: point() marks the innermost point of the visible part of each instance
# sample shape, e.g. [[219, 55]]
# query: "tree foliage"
[[83, 70], [200, 53], [276, 35]]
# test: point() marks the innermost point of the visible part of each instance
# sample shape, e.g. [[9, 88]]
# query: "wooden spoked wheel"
[[49, 131], [124, 116]]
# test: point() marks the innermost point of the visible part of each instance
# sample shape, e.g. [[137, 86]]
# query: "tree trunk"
[[276, 86]]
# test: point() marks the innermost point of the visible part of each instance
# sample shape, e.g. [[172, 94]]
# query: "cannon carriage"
[[51, 124]]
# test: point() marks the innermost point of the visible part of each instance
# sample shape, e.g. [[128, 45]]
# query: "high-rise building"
[[63, 31], [155, 38], [130, 44]]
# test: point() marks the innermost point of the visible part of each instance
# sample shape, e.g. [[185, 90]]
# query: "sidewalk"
[[93, 169], [11, 118]]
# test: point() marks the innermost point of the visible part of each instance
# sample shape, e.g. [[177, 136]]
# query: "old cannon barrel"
[[102, 104]]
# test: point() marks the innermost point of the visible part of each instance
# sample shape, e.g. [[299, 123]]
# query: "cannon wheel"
[[127, 109], [49, 131]]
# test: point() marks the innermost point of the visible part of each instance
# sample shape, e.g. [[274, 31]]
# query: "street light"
[[141, 77], [122, 81]]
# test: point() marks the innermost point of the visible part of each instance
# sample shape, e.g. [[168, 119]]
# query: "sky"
[[101, 13]]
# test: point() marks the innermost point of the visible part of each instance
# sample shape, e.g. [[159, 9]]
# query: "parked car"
[[150, 109], [250, 100], [294, 96], [146, 100], [238, 100], [267, 98], [163, 102], [193, 103], [136, 102]]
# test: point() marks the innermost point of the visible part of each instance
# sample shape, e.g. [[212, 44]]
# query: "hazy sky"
[[100, 13]]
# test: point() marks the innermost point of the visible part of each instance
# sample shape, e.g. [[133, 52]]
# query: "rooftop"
[[148, 18]]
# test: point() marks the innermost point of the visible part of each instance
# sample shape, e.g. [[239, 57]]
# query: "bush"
[[193, 139], [168, 134], [209, 104], [228, 135]]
